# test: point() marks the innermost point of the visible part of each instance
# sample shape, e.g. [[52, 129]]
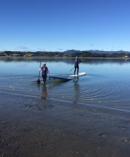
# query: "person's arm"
[[48, 71], [40, 69]]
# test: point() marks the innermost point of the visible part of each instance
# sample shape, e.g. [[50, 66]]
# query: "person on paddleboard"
[[45, 71], [76, 65]]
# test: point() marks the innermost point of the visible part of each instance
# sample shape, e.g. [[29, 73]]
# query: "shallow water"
[[106, 85]]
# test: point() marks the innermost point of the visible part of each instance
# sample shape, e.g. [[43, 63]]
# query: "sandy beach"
[[35, 127]]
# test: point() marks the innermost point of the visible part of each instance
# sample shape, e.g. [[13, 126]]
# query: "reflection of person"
[[44, 94], [76, 65], [76, 93], [45, 71]]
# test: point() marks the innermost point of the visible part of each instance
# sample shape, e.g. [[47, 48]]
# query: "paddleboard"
[[79, 75], [66, 77], [60, 78]]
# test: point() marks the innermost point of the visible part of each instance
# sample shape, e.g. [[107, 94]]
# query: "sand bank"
[[34, 127]]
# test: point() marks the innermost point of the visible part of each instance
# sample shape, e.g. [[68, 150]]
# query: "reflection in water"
[[43, 89], [44, 93], [76, 91]]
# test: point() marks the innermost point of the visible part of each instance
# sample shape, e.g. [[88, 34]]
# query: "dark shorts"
[[76, 66]]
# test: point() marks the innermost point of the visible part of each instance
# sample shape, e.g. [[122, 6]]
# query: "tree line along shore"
[[66, 54]]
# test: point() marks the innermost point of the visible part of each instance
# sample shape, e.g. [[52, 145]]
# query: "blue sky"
[[64, 24]]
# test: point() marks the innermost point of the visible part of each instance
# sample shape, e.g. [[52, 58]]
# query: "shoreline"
[[61, 58]]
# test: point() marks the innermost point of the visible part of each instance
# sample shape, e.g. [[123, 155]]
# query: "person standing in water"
[[76, 65], [45, 71]]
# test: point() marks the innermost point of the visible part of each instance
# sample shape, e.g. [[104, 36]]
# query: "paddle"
[[71, 69], [38, 80]]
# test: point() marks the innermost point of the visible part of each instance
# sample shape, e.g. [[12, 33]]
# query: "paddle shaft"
[[38, 80]]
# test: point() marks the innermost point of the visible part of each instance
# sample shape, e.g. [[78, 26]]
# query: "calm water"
[[107, 84]]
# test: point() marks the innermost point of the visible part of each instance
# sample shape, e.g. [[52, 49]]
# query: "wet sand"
[[35, 127]]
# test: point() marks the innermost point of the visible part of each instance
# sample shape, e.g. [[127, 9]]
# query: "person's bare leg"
[[77, 71], [74, 70]]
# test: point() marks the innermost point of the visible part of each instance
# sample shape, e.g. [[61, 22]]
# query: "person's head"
[[76, 58], [44, 65]]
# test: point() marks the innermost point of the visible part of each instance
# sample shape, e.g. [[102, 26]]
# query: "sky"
[[58, 25]]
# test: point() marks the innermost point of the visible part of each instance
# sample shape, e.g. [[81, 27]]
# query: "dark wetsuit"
[[44, 73], [76, 66]]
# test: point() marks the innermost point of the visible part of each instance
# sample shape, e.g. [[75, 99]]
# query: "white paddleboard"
[[79, 75]]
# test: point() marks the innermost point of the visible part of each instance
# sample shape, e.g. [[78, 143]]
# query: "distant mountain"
[[68, 53], [95, 51], [72, 51]]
